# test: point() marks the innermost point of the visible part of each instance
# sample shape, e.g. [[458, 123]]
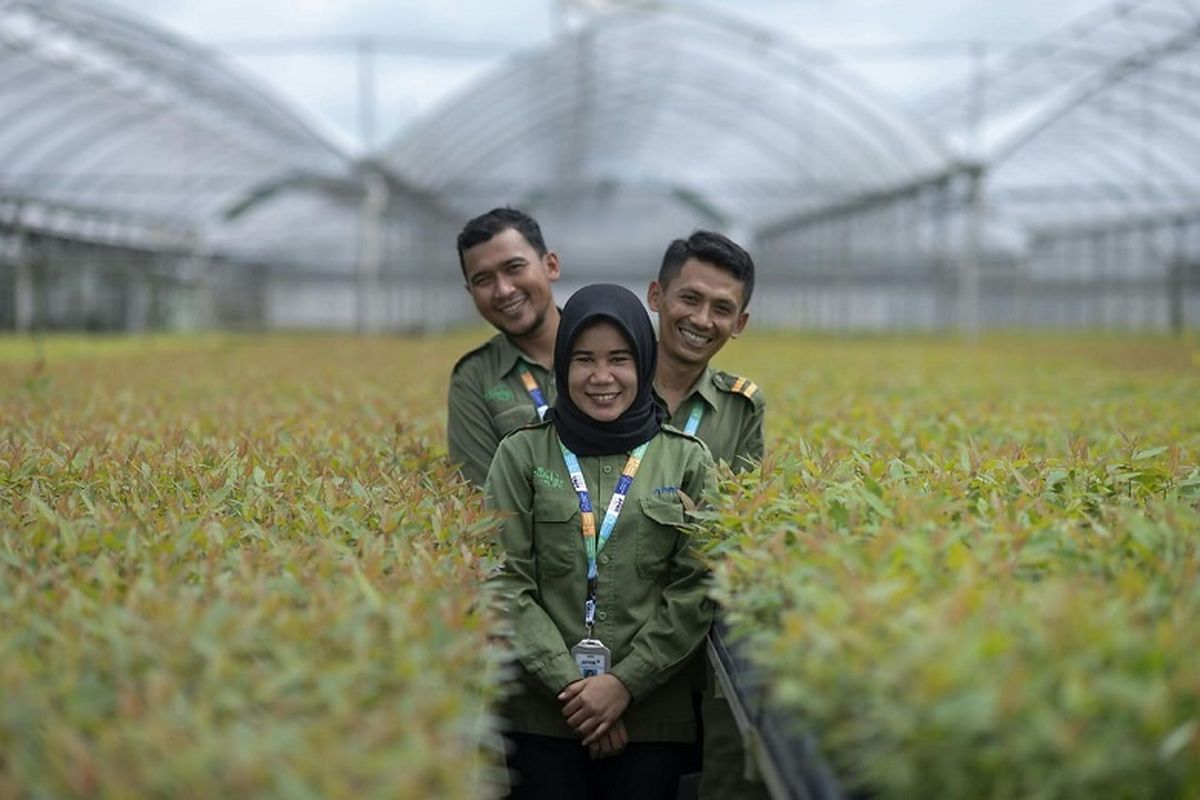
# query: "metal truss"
[[715, 119], [107, 118], [1104, 113], [1060, 159]]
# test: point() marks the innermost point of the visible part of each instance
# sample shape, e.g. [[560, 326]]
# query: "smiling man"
[[508, 381], [703, 289]]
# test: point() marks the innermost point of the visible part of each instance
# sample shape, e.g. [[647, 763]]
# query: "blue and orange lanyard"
[[693, 422], [535, 393], [592, 542]]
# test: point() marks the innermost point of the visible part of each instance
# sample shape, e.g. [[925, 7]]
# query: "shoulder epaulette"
[[671, 429], [736, 384], [528, 427], [470, 354]]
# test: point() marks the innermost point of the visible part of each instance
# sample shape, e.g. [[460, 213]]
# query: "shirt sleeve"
[[538, 644], [749, 450], [471, 437], [666, 642]]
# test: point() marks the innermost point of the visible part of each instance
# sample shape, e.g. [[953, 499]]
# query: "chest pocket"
[[513, 417], [558, 537], [657, 535]]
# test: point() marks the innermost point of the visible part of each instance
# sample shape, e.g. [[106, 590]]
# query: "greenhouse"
[[147, 183], [920, 518]]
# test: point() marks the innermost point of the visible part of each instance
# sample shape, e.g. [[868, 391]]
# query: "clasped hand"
[[593, 707]]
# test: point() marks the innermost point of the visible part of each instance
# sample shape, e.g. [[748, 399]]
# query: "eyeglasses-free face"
[[510, 283], [699, 310], [602, 377]]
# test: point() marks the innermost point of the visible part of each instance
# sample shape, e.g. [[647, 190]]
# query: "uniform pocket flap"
[[664, 510], [555, 509]]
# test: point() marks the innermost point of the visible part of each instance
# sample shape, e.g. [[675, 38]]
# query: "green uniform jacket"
[[653, 613], [487, 401], [732, 425]]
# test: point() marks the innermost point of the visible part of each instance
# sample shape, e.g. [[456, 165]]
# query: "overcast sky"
[[302, 49]]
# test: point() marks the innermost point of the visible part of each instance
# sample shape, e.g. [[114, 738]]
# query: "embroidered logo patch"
[[500, 394], [551, 480], [667, 490]]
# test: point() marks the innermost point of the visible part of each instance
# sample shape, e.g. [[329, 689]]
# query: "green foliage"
[[240, 569], [238, 566], [975, 572]]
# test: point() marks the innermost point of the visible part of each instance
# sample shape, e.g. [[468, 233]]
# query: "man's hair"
[[482, 228], [711, 248]]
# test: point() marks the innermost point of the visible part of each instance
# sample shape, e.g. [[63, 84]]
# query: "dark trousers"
[[549, 768]]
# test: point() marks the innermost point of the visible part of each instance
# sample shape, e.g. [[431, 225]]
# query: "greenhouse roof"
[[110, 119], [1096, 122], [646, 122], [671, 112]]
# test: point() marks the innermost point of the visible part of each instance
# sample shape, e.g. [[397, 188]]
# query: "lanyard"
[[535, 394], [693, 423], [591, 542]]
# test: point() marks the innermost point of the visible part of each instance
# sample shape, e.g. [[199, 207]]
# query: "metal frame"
[[626, 131], [788, 763], [111, 115], [709, 107]]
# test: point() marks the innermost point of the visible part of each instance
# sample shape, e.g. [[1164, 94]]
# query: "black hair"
[[482, 228], [711, 248]]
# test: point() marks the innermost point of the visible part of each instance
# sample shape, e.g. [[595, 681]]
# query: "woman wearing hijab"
[[606, 608]]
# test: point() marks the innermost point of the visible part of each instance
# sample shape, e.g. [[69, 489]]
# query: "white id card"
[[592, 657]]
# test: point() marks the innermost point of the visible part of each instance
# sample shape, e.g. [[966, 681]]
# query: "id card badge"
[[592, 657]]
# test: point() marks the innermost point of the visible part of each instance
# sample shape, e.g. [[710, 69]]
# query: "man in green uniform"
[[508, 381], [701, 295], [703, 289]]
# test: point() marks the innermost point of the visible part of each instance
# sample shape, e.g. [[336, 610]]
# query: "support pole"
[[23, 290], [366, 93], [968, 277], [969, 271], [370, 249], [1176, 285]]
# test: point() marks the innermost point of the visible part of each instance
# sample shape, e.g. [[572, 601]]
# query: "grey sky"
[[870, 36]]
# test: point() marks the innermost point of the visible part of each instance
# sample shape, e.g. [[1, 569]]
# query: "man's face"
[[510, 283], [699, 310]]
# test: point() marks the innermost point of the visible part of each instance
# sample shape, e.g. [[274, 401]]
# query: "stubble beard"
[[532, 328]]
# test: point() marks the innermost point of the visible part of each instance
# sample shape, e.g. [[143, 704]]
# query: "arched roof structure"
[[667, 116], [650, 120], [109, 122], [1096, 122]]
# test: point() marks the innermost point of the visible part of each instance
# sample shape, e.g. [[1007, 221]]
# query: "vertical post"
[[841, 275], [366, 92], [968, 275], [23, 291], [1176, 286], [943, 248], [195, 274], [1021, 314], [370, 250], [1101, 280], [976, 108], [969, 271], [1135, 310]]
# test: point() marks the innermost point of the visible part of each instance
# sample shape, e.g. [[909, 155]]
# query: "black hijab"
[[580, 433]]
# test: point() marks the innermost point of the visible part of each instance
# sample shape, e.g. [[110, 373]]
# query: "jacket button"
[[603, 559], [608, 469], [602, 615]]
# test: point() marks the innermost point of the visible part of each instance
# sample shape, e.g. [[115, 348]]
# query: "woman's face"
[[602, 377]]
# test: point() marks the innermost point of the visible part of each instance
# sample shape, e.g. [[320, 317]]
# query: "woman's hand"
[[593, 705], [611, 742]]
